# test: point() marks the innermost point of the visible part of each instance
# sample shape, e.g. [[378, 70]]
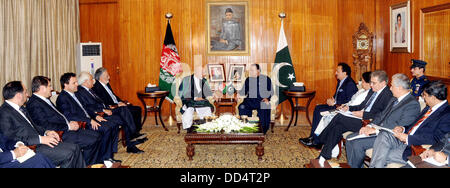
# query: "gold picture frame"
[[227, 28], [400, 28]]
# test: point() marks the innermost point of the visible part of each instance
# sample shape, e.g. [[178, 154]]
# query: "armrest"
[[32, 147], [417, 150], [82, 124], [102, 114], [366, 122]]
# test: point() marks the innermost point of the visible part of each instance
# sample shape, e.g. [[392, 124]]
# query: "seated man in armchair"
[[258, 91], [193, 92]]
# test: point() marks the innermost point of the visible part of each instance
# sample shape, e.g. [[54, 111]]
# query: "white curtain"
[[37, 37]]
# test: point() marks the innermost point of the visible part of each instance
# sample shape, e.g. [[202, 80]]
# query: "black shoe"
[[316, 146], [140, 141], [114, 160], [306, 141], [139, 136], [134, 149]]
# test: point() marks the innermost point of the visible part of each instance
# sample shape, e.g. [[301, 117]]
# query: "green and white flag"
[[170, 64], [283, 74]]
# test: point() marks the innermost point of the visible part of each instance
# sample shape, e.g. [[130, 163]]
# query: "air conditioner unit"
[[89, 57]]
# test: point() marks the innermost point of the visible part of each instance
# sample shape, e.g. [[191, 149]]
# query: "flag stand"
[[169, 16]]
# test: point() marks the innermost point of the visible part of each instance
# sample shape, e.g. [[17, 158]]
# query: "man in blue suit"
[[73, 110], [9, 154], [44, 113], [429, 128], [345, 89], [120, 115]]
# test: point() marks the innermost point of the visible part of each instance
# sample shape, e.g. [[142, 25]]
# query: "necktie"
[[54, 108], [27, 116], [113, 97], [96, 97], [424, 117], [369, 103], [81, 106]]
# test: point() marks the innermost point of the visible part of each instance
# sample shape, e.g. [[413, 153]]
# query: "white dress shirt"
[[433, 109], [373, 102]]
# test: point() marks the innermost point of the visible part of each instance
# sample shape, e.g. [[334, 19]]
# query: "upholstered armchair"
[[177, 99], [273, 102]]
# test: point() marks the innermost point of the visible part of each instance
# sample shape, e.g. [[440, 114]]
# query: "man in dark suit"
[[426, 130], [17, 125], [44, 114], [258, 91], [103, 89], [73, 110], [11, 150], [402, 110], [345, 89], [376, 101], [120, 115]]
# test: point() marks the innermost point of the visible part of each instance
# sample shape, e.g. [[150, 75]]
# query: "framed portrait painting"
[[227, 28], [236, 73], [400, 27], [216, 72]]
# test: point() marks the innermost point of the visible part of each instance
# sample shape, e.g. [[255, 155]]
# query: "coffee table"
[[193, 138]]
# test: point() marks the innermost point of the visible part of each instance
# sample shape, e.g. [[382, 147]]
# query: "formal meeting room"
[[234, 84]]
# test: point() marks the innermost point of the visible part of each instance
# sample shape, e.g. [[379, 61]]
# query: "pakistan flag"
[[283, 74], [170, 64]]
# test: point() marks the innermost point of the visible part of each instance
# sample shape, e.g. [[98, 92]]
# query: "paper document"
[[30, 153], [433, 162], [349, 114], [382, 128], [360, 136]]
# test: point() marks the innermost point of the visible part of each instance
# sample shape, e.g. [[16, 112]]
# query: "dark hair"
[[11, 89], [257, 66], [346, 68], [437, 89], [65, 78], [399, 15], [366, 77], [39, 81]]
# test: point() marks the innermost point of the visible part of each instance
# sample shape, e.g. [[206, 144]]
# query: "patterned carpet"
[[168, 150]]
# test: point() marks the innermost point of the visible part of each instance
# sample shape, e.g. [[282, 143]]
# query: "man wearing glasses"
[[350, 117]]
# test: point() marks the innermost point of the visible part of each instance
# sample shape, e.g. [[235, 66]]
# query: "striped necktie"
[[420, 121]]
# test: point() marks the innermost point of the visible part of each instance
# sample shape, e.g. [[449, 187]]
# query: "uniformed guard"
[[419, 78]]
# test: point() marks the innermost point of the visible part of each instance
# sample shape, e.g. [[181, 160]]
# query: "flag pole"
[[169, 16], [282, 16]]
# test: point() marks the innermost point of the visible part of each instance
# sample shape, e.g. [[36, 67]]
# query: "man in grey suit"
[[430, 127], [403, 109]]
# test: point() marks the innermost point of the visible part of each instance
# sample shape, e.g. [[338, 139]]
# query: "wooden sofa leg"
[[122, 132], [179, 127], [272, 124]]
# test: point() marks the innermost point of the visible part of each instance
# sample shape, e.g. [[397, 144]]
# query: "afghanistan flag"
[[170, 64], [283, 74]]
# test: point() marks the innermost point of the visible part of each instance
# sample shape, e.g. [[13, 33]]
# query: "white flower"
[[226, 123]]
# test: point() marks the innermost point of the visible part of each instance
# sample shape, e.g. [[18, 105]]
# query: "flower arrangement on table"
[[227, 124]]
